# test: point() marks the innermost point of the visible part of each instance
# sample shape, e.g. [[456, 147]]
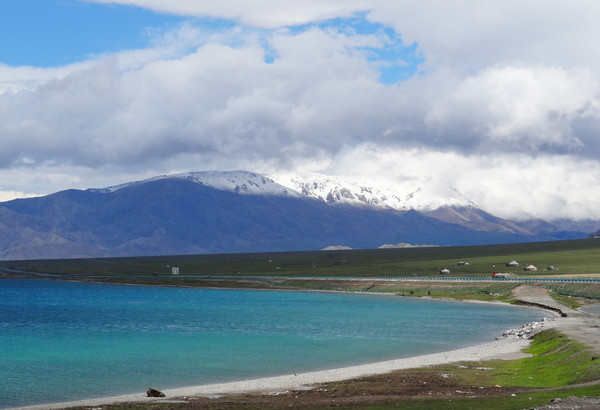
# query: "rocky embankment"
[[527, 330]]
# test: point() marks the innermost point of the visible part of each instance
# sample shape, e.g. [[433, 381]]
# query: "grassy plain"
[[306, 270], [570, 257]]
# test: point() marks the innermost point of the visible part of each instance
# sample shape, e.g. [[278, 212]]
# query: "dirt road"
[[577, 325]]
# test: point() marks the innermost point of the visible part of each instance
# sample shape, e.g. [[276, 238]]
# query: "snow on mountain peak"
[[333, 190], [242, 182], [360, 192], [336, 190]]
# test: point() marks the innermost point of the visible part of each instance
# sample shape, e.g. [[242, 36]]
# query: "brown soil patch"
[[384, 390]]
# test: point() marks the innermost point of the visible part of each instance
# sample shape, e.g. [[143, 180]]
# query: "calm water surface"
[[64, 341], [591, 309]]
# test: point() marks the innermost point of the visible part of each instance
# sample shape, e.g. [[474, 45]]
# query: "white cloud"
[[258, 13], [507, 185], [519, 108], [10, 195], [508, 102], [467, 35], [219, 99], [457, 33]]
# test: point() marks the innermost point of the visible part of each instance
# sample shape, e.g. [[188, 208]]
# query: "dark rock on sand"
[[152, 392]]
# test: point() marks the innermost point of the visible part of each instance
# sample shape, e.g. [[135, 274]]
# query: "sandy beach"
[[577, 324], [505, 348]]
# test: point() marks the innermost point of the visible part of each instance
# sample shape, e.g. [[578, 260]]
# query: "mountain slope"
[[477, 219], [221, 212], [241, 182], [436, 201]]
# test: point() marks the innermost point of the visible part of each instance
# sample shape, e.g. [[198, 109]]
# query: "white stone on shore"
[[526, 330]]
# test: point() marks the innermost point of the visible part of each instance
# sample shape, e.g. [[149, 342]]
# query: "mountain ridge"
[[358, 192], [232, 212]]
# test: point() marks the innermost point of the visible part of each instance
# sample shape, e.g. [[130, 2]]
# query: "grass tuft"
[[556, 361]]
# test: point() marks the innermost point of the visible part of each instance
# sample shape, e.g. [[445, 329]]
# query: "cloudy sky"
[[499, 100]]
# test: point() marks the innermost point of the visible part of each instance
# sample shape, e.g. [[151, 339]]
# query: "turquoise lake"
[[62, 341]]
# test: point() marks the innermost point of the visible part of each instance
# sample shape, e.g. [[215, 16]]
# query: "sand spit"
[[508, 347]]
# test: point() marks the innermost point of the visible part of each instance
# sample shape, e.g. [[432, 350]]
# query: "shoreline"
[[505, 348]]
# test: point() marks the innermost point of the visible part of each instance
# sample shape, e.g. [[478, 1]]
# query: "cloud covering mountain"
[[500, 101]]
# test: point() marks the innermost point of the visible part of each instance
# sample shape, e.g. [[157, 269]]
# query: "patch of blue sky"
[[396, 63], [50, 33], [270, 53]]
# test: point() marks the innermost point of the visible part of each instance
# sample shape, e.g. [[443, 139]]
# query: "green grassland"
[[306, 270], [559, 367], [556, 361], [570, 257]]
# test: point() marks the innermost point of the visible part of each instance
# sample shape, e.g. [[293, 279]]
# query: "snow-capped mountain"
[[242, 182], [340, 190], [239, 211], [332, 190]]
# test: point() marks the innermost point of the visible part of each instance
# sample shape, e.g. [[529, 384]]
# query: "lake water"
[[591, 309], [62, 341]]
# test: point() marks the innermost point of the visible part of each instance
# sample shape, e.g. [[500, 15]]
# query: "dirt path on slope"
[[578, 325]]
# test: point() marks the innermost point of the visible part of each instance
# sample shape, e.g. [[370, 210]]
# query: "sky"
[[498, 100]]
